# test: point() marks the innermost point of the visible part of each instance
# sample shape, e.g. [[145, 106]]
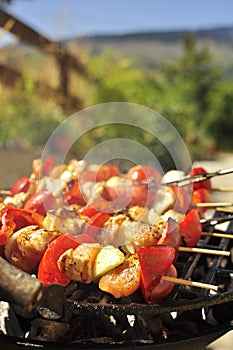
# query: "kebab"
[[45, 200], [118, 275], [78, 178], [84, 266], [39, 201], [115, 281]]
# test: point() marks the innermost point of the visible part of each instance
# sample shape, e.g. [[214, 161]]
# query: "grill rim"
[[150, 310]]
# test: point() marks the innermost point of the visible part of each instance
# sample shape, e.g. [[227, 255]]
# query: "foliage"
[[189, 91], [220, 118], [24, 119], [185, 90]]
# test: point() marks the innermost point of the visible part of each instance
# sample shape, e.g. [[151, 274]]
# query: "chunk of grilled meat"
[[25, 247], [78, 263], [120, 231], [63, 220]]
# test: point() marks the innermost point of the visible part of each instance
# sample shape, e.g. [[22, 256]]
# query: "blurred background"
[[58, 57]]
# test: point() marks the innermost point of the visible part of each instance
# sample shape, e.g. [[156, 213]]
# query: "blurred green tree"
[[24, 118], [220, 118], [184, 89]]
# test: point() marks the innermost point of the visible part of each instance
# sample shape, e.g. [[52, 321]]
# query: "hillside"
[[144, 48], [152, 48]]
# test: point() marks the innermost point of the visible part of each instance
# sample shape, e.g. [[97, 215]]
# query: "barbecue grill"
[[87, 318]]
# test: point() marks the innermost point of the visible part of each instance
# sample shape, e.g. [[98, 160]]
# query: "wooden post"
[[62, 60], [65, 60]]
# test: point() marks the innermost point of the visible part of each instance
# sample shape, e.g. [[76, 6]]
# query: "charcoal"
[[47, 330], [9, 323]]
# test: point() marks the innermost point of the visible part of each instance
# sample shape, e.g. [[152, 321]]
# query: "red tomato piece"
[[48, 271], [73, 195], [22, 185], [23, 218], [190, 228], [115, 188], [141, 173], [143, 195], [13, 219], [83, 238], [41, 202], [98, 206], [7, 228], [104, 173], [155, 261], [202, 184], [48, 165], [88, 211], [87, 176], [183, 198], [164, 288], [124, 192], [149, 178], [94, 225], [172, 237], [201, 195], [119, 191]]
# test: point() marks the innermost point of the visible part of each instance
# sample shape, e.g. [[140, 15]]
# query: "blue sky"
[[59, 19]]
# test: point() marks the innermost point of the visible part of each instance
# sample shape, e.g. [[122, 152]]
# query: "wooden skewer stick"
[[204, 251], [213, 204], [222, 189], [216, 234], [225, 210], [190, 283], [5, 192]]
